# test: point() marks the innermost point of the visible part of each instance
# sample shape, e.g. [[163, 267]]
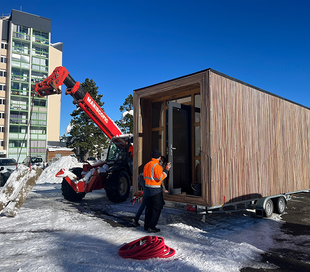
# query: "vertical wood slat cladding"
[[253, 143], [259, 142]]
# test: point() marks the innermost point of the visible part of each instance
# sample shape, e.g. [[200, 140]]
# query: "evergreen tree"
[[85, 136], [126, 123]]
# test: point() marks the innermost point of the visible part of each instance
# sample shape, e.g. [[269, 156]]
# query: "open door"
[[179, 147]]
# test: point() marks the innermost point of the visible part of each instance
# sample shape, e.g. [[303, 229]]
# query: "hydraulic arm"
[[60, 76]]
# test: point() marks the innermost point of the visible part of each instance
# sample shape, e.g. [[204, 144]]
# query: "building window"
[[4, 46], [2, 73], [21, 32], [20, 75], [40, 103], [3, 59], [2, 101], [2, 129], [21, 47], [40, 64], [38, 116], [2, 115], [2, 87], [40, 37], [17, 143], [37, 77], [20, 61], [18, 117], [40, 50], [1, 143]]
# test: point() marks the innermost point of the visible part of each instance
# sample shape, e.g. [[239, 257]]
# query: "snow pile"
[[16, 189], [48, 175]]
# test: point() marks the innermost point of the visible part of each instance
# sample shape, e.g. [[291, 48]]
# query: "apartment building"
[[27, 57]]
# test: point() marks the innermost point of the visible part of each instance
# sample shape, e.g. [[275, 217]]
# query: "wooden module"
[[253, 143]]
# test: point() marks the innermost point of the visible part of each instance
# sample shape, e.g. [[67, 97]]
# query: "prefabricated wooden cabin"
[[228, 141]]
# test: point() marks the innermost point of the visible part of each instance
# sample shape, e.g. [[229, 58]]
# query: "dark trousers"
[[154, 205]]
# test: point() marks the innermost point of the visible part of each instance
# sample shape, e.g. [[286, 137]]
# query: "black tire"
[[118, 186], [279, 204], [269, 207], [69, 193]]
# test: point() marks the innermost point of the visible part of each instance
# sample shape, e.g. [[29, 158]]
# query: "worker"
[[153, 176], [142, 184]]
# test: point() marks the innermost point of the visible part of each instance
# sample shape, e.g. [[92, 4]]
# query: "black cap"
[[155, 153]]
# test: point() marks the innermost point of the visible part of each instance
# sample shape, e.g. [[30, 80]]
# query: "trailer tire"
[[69, 193], [279, 204], [118, 186], [269, 207]]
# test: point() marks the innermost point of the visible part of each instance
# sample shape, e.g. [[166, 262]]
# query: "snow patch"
[[66, 162]]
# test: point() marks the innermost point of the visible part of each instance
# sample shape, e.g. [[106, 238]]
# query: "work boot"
[[135, 222], [153, 230]]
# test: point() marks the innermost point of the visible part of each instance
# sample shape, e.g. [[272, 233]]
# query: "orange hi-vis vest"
[[153, 174]]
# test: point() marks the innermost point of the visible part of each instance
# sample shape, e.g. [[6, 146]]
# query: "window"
[[20, 74], [4, 46], [39, 50], [2, 129], [20, 61], [2, 101], [3, 59], [40, 37], [21, 47], [39, 64], [1, 143], [41, 103], [18, 118], [17, 143], [38, 77], [21, 32], [2, 115], [21, 58], [21, 29], [2, 87], [2, 73], [38, 116]]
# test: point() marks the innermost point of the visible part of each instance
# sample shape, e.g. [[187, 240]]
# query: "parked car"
[[7, 166], [32, 161]]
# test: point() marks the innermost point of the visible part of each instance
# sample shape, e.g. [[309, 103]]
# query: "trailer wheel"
[[269, 207], [279, 204], [69, 193], [118, 186]]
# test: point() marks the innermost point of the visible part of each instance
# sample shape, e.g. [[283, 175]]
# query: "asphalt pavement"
[[294, 236]]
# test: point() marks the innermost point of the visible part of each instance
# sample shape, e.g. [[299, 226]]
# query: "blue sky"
[[125, 45]]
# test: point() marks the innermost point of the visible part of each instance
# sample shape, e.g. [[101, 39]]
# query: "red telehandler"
[[117, 177]]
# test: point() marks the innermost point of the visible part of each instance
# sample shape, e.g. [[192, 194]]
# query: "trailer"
[[231, 145]]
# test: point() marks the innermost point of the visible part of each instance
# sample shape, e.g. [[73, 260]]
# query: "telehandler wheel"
[[279, 204], [118, 186], [69, 193]]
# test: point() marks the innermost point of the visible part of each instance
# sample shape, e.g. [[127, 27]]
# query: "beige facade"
[[54, 101]]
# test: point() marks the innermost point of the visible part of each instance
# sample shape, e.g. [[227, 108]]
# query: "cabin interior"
[[171, 122]]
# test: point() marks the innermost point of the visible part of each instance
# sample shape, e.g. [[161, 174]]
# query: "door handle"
[[172, 148]]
